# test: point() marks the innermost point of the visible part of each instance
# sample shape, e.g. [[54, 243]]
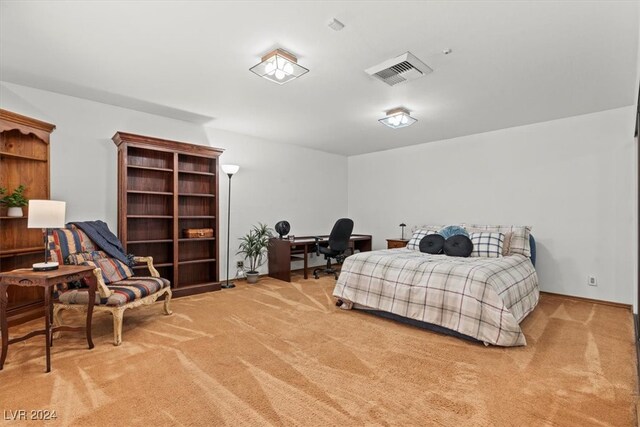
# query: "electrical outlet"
[[592, 281], [239, 264]]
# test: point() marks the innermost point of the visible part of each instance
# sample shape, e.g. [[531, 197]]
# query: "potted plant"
[[15, 201], [254, 246]]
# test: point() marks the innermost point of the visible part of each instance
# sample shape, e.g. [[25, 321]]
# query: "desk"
[[283, 251], [46, 279]]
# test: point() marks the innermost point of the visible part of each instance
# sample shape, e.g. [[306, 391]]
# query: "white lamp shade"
[[46, 214], [230, 169]]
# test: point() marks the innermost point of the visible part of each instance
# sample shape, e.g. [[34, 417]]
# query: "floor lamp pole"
[[230, 170]]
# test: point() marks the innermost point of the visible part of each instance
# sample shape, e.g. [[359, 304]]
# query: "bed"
[[482, 299]]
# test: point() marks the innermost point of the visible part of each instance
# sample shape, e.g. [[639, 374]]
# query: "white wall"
[[275, 182], [572, 179]]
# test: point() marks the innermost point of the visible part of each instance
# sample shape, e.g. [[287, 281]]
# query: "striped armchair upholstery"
[[123, 292], [68, 241]]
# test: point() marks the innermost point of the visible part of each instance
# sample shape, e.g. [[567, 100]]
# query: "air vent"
[[400, 69]]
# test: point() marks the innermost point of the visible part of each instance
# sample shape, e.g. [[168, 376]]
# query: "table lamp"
[[46, 214]]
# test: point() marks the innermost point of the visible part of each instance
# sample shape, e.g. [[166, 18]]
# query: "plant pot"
[[252, 276], [14, 212]]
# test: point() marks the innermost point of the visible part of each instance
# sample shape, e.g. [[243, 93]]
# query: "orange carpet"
[[280, 353]]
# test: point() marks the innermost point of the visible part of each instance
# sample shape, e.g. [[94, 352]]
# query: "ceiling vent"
[[399, 69]]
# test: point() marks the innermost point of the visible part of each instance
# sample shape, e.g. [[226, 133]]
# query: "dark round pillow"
[[458, 245], [432, 244]]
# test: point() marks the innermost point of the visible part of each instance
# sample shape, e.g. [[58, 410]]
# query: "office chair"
[[338, 244]]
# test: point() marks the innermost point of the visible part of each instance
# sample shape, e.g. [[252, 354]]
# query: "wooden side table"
[[46, 279], [396, 243]]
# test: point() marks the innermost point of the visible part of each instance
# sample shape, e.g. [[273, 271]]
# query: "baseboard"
[[591, 300], [195, 289]]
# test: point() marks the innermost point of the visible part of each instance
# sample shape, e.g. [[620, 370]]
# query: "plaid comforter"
[[485, 298]]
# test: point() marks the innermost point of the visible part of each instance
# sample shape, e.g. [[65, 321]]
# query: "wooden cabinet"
[[165, 187], [24, 159], [396, 243]]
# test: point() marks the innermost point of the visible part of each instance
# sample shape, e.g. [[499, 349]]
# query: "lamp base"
[[45, 266], [227, 285]]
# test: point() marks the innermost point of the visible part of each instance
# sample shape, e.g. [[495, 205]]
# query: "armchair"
[[118, 289], [338, 244]]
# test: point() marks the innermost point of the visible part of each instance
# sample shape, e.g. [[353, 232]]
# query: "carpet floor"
[[281, 353]]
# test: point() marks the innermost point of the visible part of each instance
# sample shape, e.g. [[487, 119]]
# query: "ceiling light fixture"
[[279, 66], [398, 118]]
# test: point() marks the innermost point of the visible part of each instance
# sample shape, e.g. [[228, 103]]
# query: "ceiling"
[[513, 63]]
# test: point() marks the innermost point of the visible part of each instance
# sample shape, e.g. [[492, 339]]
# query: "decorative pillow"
[[113, 270], [432, 244], [426, 227], [80, 257], [487, 244], [63, 242], [414, 242], [519, 237], [452, 230], [458, 245]]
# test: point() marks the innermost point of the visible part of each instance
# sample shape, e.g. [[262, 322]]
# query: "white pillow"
[[414, 242], [519, 236], [426, 227], [487, 244]]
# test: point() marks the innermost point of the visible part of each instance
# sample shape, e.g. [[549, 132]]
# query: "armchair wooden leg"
[[57, 319], [118, 315], [167, 302]]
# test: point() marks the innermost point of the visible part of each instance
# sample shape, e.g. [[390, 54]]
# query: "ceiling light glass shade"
[[398, 118], [279, 67], [230, 169]]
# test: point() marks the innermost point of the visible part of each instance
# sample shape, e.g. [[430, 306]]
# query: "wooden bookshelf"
[[164, 187], [24, 159]]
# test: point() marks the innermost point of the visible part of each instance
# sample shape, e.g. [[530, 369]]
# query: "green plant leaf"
[[15, 199], [254, 245]]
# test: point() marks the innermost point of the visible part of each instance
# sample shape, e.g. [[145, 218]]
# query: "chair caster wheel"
[[316, 276], [339, 303]]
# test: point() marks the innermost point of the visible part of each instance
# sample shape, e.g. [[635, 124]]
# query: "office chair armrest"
[[317, 245]]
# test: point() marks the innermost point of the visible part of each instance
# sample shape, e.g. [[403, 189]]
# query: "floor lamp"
[[230, 170]]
